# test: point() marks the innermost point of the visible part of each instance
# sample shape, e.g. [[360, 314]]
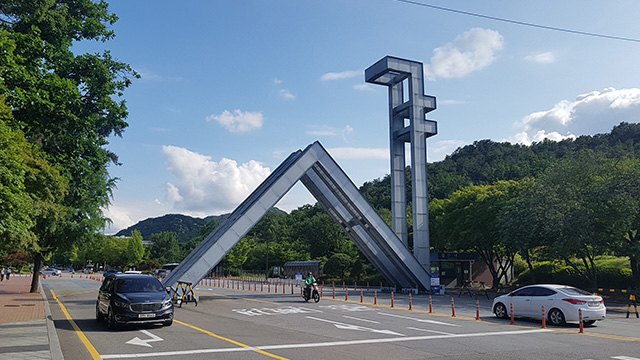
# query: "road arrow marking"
[[344, 326], [137, 341]]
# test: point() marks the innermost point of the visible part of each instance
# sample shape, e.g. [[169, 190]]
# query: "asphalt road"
[[236, 324]]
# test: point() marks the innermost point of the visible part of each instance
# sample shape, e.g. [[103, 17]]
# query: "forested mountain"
[[486, 161], [186, 227]]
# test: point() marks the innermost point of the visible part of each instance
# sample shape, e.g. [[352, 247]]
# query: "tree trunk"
[[35, 279], [635, 272], [530, 265]]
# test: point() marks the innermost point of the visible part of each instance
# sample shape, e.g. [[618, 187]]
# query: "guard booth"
[[303, 267], [456, 268]]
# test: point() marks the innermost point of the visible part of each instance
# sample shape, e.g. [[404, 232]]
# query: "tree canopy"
[[66, 105]]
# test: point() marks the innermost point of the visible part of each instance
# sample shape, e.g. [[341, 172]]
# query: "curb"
[[54, 342]]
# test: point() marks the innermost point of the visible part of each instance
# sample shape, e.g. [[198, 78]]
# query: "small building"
[[455, 268], [304, 267]]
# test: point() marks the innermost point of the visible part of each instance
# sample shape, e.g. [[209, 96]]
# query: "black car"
[[133, 299]]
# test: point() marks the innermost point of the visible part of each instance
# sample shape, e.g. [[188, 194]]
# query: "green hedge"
[[611, 273]]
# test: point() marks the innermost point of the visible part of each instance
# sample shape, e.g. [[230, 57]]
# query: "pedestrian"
[[2, 274], [7, 273]]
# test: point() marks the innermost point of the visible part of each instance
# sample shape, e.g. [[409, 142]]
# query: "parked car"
[[50, 271], [111, 271], [162, 273], [133, 299], [561, 303]]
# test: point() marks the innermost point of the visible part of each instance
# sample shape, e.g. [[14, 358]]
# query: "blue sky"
[[230, 88]]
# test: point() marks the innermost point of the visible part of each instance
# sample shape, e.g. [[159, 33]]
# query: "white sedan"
[[561, 304]]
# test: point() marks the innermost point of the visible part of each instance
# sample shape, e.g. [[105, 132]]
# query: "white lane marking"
[[431, 331], [365, 320], [344, 326], [624, 358], [419, 320], [137, 341], [323, 344]]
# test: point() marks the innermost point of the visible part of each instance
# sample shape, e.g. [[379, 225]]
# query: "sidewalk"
[[26, 326]]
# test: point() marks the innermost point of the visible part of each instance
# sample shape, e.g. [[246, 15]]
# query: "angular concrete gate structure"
[[337, 194]]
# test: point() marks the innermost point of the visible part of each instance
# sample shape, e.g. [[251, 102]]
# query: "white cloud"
[[277, 81], [591, 113], [286, 94], [207, 186], [330, 131], [438, 150], [542, 58], [363, 87], [471, 51], [451, 102], [341, 75], [351, 153], [238, 121]]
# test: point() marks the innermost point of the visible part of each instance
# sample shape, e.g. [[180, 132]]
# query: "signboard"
[[298, 278]]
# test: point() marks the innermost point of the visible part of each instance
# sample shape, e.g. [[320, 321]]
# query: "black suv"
[[133, 299]]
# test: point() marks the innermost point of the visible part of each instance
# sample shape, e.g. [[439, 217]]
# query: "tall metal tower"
[[408, 107]]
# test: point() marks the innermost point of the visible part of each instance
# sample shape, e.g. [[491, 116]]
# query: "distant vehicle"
[[133, 299], [162, 273], [88, 270], [111, 271], [170, 266], [50, 271], [561, 304], [133, 272]]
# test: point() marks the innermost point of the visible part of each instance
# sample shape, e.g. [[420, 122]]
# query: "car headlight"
[[166, 303], [121, 304]]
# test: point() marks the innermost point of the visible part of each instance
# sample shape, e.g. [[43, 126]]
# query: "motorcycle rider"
[[309, 283]]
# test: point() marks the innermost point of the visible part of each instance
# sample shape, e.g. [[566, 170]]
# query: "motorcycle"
[[311, 293]]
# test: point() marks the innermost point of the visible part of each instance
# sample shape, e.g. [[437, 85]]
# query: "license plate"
[[146, 316]]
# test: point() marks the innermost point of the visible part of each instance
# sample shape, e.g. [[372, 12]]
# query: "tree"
[[135, 249], [338, 265], [66, 105], [165, 248], [468, 221]]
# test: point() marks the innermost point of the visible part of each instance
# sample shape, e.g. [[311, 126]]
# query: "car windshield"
[[138, 284], [574, 291]]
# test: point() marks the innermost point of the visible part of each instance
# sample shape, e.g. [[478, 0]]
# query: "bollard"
[[512, 316], [453, 308], [275, 291], [321, 290], [243, 285], [334, 292], [581, 322], [344, 287], [410, 302], [544, 318], [355, 286], [375, 297], [268, 287], [367, 286], [392, 299], [477, 309], [292, 290], [346, 295], [430, 305], [261, 287], [361, 296]]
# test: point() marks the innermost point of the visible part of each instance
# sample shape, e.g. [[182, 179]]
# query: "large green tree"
[[30, 189], [66, 104]]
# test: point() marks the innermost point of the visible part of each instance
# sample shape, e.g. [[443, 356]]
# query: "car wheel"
[[589, 322], [167, 323], [98, 314], [501, 311], [111, 320], [556, 317]]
